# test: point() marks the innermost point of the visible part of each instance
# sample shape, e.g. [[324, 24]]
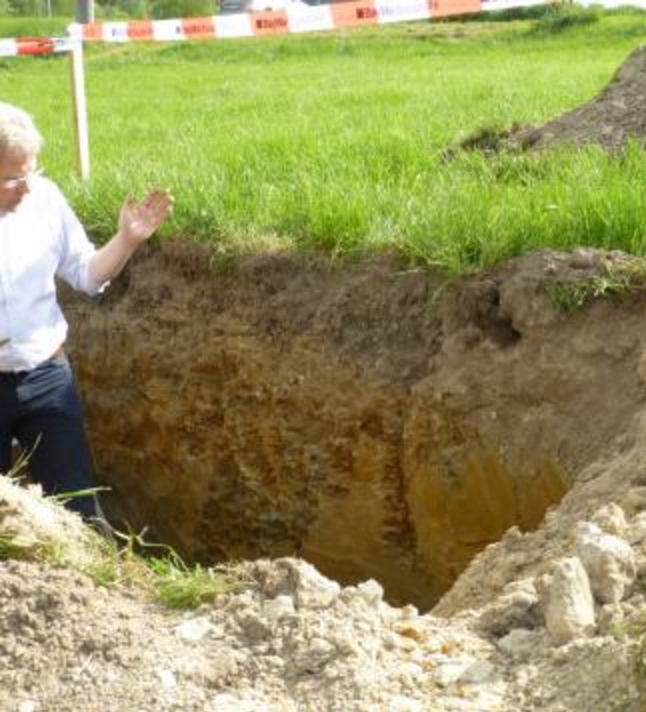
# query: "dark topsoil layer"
[[611, 119]]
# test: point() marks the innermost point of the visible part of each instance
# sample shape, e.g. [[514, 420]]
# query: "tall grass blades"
[[336, 141]]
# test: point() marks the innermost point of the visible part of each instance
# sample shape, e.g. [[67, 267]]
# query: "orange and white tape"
[[34, 45], [305, 18], [295, 19]]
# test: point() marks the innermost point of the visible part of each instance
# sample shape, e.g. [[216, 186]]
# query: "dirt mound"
[[611, 119], [293, 641]]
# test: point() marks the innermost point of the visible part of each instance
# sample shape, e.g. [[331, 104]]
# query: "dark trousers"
[[42, 411]]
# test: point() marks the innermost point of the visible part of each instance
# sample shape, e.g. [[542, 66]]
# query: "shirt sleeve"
[[76, 251]]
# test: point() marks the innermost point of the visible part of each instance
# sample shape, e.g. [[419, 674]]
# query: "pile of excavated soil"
[[292, 640], [611, 119]]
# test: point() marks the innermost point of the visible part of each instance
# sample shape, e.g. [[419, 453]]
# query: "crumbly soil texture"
[[437, 486]]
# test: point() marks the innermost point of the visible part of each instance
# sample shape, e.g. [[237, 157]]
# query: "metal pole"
[[85, 11]]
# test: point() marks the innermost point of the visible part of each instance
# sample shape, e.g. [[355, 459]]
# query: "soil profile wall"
[[354, 416]]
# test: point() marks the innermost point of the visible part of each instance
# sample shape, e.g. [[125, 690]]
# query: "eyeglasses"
[[13, 183]]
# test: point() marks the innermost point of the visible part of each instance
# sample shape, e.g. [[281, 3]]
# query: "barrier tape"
[[294, 19], [304, 18], [35, 45]]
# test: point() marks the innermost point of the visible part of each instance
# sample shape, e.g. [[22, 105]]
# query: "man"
[[40, 239]]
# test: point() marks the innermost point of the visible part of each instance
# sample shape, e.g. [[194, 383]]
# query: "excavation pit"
[[380, 422]]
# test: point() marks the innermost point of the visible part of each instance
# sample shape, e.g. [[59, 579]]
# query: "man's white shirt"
[[40, 240]]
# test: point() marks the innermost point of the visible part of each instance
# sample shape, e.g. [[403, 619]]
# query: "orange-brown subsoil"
[[379, 421]]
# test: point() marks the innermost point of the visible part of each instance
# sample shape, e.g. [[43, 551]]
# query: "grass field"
[[334, 141]]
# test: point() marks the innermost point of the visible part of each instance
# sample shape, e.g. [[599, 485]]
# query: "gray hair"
[[17, 132]]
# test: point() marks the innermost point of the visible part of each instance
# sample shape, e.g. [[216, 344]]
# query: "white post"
[[80, 110]]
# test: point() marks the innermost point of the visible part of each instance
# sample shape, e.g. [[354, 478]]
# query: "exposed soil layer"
[[382, 422], [378, 421]]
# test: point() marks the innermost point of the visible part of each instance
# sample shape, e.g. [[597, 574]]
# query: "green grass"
[[181, 586], [121, 561], [335, 141], [167, 578], [28, 548]]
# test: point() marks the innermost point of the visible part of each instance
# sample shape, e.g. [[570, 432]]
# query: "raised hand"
[[138, 221]]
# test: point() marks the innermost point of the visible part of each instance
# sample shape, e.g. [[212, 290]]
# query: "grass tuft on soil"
[[167, 579], [116, 561], [615, 280]]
